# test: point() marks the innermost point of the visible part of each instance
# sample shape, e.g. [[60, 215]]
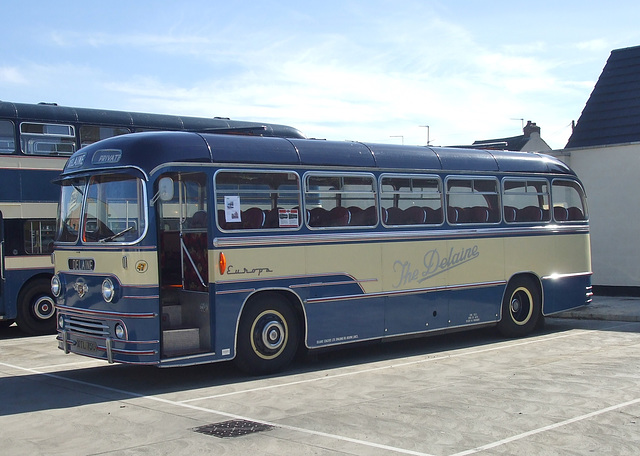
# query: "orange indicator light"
[[222, 263]]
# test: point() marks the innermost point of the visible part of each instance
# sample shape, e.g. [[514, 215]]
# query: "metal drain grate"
[[232, 428]]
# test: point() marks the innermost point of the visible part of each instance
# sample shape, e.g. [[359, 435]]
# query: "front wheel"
[[36, 308], [521, 308], [268, 336]]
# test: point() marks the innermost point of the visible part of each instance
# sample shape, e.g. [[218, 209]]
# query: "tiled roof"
[[511, 143], [612, 112], [530, 138]]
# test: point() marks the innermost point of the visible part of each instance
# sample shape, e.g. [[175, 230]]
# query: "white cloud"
[[131, 40], [369, 73], [11, 75], [595, 45], [318, 91]]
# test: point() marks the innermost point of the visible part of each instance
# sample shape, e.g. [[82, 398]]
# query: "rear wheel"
[[36, 308], [521, 308], [268, 335]]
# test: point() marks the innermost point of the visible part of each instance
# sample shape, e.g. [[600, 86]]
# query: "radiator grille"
[[86, 326]]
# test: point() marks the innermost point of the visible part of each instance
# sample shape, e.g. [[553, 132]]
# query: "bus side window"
[[7, 137], [526, 200], [47, 139], [38, 236], [257, 200], [569, 201], [411, 200], [472, 200], [94, 133], [340, 200]]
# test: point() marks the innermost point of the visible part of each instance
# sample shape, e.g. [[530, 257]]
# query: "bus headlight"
[[56, 286], [60, 322], [108, 290], [120, 331]]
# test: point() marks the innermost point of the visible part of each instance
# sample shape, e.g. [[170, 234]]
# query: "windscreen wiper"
[[113, 236]]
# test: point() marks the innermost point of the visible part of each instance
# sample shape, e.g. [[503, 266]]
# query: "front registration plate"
[[88, 346]]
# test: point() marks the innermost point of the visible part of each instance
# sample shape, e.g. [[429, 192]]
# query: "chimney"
[[531, 127]]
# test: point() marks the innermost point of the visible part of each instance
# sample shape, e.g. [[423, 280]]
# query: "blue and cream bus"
[[181, 248], [35, 142]]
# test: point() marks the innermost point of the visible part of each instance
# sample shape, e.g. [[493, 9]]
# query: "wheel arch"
[[523, 280], [286, 295], [40, 276], [520, 275]]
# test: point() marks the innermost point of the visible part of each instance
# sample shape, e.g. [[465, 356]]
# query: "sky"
[[372, 71]]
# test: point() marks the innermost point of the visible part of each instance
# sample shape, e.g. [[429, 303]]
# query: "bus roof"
[[147, 151], [51, 112]]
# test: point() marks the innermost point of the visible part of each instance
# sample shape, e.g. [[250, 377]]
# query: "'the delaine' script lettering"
[[433, 264]]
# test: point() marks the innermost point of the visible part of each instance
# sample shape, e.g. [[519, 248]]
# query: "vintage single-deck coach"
[[182, 248]]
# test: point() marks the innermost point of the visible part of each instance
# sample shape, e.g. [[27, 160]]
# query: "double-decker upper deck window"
[[569, 201], [472, 200], [253, 200], [337, 200], [411, 200], [47, 139], [7, 137], [94, 133], [526, 200]]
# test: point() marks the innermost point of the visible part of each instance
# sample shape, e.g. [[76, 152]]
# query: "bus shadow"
[[11, 332], [63, 389], [14, 332]]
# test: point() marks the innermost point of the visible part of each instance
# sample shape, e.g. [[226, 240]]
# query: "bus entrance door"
[[184, 276]]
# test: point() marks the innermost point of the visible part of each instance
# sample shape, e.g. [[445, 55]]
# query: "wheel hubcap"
[[515, 306], [521, 306], [273, 335], [269, 335], [43, 307]]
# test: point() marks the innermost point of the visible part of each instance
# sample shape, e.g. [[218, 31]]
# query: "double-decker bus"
[[177, 248], [35, 142]]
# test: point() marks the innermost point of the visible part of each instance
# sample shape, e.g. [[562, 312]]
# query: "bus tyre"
[[521, 308], [268, 336], [5, 323], [36, 308]]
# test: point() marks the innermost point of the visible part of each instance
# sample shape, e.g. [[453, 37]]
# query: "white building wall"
[[611, 178], [536, 144]]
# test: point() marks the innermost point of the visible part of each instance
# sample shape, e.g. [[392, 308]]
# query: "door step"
[[172, 316], [176, 342]]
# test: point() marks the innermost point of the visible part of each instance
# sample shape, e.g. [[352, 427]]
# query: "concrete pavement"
[[570, 388], [611, 308]]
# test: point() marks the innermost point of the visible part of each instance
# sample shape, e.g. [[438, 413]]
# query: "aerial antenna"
[[521, 121]]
